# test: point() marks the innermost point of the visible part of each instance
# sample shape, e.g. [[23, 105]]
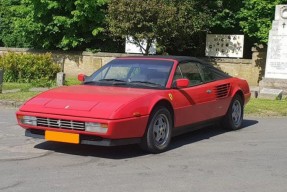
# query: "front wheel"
[[158, 134], [234, 117]]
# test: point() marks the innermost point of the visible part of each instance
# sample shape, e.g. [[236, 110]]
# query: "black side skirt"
[[185, 129]]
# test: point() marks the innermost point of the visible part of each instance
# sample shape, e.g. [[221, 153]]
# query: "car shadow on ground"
[[205, 133], [130, 151]]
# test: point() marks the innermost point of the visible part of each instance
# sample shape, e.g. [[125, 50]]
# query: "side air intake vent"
[[222, 91]]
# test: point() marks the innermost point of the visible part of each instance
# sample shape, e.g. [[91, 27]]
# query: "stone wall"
[[242, 68], [73, 63], [259, 56]]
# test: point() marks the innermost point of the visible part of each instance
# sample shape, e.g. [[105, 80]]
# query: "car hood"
[[86, 101]]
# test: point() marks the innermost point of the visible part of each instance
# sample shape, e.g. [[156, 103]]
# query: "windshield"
[[132, 73]]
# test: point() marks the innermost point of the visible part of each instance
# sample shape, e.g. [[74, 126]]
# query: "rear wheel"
[[158, 134], [234, 117]]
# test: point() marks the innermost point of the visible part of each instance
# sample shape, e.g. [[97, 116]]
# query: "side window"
[[207, 74], [190, 71], [211, 74], [178, 74]]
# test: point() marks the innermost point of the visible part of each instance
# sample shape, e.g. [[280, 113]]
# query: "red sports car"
[[144, 100]]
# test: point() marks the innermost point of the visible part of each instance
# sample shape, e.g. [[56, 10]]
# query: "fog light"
[[28, 120], [96, 127]]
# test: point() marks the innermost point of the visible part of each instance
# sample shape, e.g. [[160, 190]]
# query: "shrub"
[[38, 69]]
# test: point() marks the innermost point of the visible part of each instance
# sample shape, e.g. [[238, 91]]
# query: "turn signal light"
[[96, 127]]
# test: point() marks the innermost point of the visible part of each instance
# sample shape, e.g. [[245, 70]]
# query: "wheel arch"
[[240, 93], [164, 103], [228, 121], [148, 142]]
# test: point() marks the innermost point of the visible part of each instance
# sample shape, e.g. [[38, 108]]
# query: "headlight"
[[28, 120], [96, 127]]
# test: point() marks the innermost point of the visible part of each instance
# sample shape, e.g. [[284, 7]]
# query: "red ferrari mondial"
[[144, 100]]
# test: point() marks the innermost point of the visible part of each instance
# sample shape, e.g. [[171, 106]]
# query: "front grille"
[[60, 123]]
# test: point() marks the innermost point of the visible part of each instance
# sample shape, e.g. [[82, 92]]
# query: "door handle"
[[208, 91]]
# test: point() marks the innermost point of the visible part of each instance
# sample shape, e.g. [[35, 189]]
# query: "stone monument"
[[276, 64]]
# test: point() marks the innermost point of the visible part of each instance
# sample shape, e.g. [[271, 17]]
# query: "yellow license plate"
[[62, 137]]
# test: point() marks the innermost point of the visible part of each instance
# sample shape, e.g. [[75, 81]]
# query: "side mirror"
[[81, 77], [181, 83]]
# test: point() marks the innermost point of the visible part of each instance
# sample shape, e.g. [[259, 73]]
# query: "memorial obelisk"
[[276, 63]]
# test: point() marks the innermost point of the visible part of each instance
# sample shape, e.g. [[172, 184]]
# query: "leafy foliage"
[[176, 25], [16, 23], [67, 24], [224, 15], [52, 24], [256, 18], [29, 68], [161, 20]]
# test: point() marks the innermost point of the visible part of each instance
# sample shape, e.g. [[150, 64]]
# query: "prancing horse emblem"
[[170, 96]]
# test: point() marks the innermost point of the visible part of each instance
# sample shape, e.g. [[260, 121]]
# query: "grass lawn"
[[25, 94], [21, 86], [26, 86], [264, 107], [72, 81], [18, 96]]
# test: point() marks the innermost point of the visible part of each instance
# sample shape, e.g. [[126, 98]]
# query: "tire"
[[234, 117], [159, 131]]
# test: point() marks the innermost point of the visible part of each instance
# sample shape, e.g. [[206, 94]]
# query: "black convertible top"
[[177, 58], [181, 59]]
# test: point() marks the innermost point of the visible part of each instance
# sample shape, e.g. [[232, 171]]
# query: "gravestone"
[[276, 63]]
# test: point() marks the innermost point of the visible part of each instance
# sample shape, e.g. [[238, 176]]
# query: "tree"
[[52, 24], [165, 21], [16, 23], [68, 24], [224, 16], [256, 18]]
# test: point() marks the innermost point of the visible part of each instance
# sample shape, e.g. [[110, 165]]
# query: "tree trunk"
[[148, 45]]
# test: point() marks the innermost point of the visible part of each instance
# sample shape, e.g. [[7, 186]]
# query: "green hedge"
[[38, 69]]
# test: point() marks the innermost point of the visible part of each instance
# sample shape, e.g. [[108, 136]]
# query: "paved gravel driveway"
[[253, 159]]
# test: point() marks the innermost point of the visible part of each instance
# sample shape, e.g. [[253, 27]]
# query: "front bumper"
[[118, 129], [87, 139]]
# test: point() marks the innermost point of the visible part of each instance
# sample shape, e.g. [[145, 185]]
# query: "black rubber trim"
[[88, 140]]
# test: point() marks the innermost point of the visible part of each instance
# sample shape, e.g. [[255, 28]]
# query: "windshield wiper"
[[117, 80], [114, 81], [90, 82], [147, 83]]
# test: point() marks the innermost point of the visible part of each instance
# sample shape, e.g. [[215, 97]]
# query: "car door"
[[218, 82], [194, 103]]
